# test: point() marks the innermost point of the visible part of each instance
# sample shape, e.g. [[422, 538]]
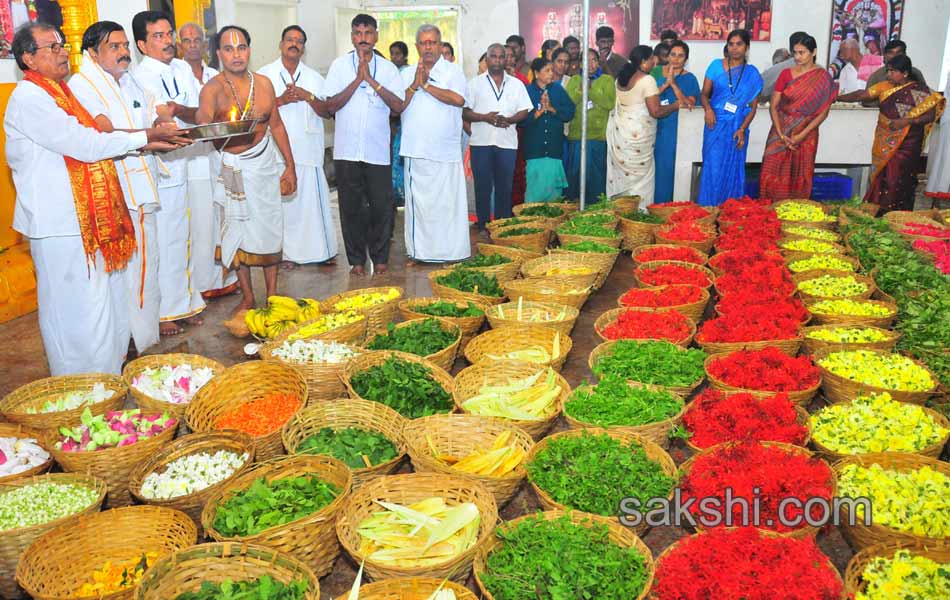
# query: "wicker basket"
[[703, 246], [608, 318], [625, 204], [408, 489], [411, 588], [185, 570], [634, 234], [157, 361], [21, 432], [617, 534], [503, 272], [534, 242], [792, 257], [240, 384], [544, 289], [572, 238], [788, 346], [701, 257], [653, 452], [538, 267], [821, 224], [14, 542], [377, 315], [601, 262], [323, 379], [836, 249], [800, 397], [469, 326], [657, 432], [444, 358], [809, 275], [460, 435], [526, 221], [211, 442], [567, 209], [471, 379], [657, 263], [506, 315], [898, 218], [509, 339], [693, 311], [861, 536], [112, 465], [61, 560], [605, 348], [444, 291], [801, 417], [718, 271], [802, 532], [310, 539], [813, 346], [839, 389], [343, 414], [352, 333], [853, 582], [378, 357], [518, 255], [790, 235], [882, 322], [32, 396], [665, 211]]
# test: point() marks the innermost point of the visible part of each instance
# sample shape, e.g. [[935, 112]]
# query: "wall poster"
[[872, 23], [712, 20], [556, 19]]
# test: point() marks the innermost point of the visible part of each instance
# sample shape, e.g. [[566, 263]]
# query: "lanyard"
[[175, 83], [296, 79], [729, 72], [364, 84], [501, 92]]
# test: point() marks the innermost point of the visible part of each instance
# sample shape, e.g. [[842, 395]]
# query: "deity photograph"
[[558, 19], [14, 13], [870, 23], [712, 19]]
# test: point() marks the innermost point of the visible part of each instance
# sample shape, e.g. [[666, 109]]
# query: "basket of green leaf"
[[466, 285], [364, 435], [638, 228], [584, 230], [527, 237], [468, 316], [433, 339], [655, 363], [502, 267], [410, 385], [600, 257], [604, 218]]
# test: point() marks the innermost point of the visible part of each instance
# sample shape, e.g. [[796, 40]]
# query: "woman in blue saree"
[[730, 90], [675, 84]]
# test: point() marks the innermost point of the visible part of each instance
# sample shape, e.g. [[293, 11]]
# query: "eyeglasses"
[[56, 47]]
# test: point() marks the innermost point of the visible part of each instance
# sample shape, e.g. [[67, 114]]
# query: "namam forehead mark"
[[233, 38]]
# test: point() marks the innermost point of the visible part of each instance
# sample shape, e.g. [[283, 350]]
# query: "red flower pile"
[[776, 472], [737, 261], [677, 204], [666, 325], [735, 207], [671, 275], [667, 295], [779, 306], [685, 231], [690, 213], [768, 370], [925, 229], [748, 326], [744, 564], [678, 253], [757, 276], [715, 417], [939, 250]]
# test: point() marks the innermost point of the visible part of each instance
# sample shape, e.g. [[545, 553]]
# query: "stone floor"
[[23, 360]]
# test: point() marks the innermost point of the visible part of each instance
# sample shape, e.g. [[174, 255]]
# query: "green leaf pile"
[[441, 308], [652, 362], [350, 445], [485, 260], [421, 338], [614, 403], [516, 231], [542, 210], [264, 505], [468, 280], [406, 387], [264, 588]]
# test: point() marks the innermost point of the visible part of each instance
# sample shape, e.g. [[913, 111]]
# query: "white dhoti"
[[83, 310], [252, 234], [436, 226], [309, 235], [141, 276], [180, 297], [206, 216]]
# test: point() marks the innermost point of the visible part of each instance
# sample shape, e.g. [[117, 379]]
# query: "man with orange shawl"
[[908, 109], [71, 207]]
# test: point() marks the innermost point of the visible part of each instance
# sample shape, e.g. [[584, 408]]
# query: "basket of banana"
[[280, 314]]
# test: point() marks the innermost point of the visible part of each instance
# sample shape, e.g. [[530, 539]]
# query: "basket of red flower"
[[715, 417], [750, 330], [645, 324], [755, 277], [764, 372], [736, 261], [655, 252], [665, 209], [688, 300], [688, 233], [779, 306], [671, 272], [734, 207], [702, 215]]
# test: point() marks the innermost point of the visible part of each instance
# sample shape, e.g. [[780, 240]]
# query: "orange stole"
[[103, 216]]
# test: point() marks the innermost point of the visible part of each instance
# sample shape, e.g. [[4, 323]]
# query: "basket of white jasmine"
[[185, 473], [319, 362]]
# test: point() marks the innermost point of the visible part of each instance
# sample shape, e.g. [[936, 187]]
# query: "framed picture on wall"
[[541, 20], [871, 23], [712, 20], [14, 13]]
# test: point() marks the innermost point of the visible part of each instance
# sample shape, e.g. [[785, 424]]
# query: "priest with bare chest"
[[256, 169]]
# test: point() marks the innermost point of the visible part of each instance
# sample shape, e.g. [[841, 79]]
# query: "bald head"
[[850, 50], [191, 42]]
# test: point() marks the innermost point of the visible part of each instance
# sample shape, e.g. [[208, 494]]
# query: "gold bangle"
[[425, 85], [377, 86]]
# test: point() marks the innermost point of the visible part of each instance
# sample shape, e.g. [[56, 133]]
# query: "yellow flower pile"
[[365, 300], [820, 261], [832, 286], [812, 232], [875, 423], [881, 370], [113, 577], [325, 323], [813, 246], [848, 335], [554, 271], [850, 308], [799, 211], [906, 576], [915, 501]]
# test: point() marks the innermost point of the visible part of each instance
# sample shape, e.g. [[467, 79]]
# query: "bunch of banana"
[[497, 461], [280, 313]]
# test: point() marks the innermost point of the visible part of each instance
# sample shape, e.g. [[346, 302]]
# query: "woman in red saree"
[[907, 110], [803, 94]]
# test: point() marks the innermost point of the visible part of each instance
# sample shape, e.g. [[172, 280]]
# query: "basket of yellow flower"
[[845, 374], [897, 570], [377, 303]]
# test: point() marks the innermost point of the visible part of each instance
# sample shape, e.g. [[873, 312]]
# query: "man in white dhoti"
[[70, 205], [938, 163], [251, 172], [111, 95], [172, 83], [309, 236], [436, 204]]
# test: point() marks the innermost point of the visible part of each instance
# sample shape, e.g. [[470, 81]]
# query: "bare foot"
[[380, 268], [169, 328], [328, 263], [194, 321], [288, 265], [357, 270]]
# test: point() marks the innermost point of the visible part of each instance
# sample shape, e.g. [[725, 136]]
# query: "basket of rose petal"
[[226, 570], [377, 303], [938, 251], [745, 564], [109, 446], [31, 506], [806, 213], [908, 570], [525, 313], [666, 209], [53, 402], [256, 397], [877, 423], [671, 272], [687, 233], [751, 330], [638, 228], [924, 231], [847, 311], [21, 452], [909, 499], [763, 373], [188, 471], [737, 261], [848, 373], [544, 346], [688, 300], [769, 472], [103, 555], [653, 364], [168, 382], [655, 252], [820, 285], [715, 417], [845, 337], [320, 363], [645, 324]]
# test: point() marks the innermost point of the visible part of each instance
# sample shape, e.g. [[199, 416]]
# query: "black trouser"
[[366, 210]]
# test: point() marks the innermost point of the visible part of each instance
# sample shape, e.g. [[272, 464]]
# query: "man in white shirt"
[[495, 103], [114, 99], [362, 90], [70, 205], [308, 226], [848, 79], [436, 205], [172, 83]]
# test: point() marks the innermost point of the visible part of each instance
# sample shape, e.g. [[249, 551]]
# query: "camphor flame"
[[233, 115]]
